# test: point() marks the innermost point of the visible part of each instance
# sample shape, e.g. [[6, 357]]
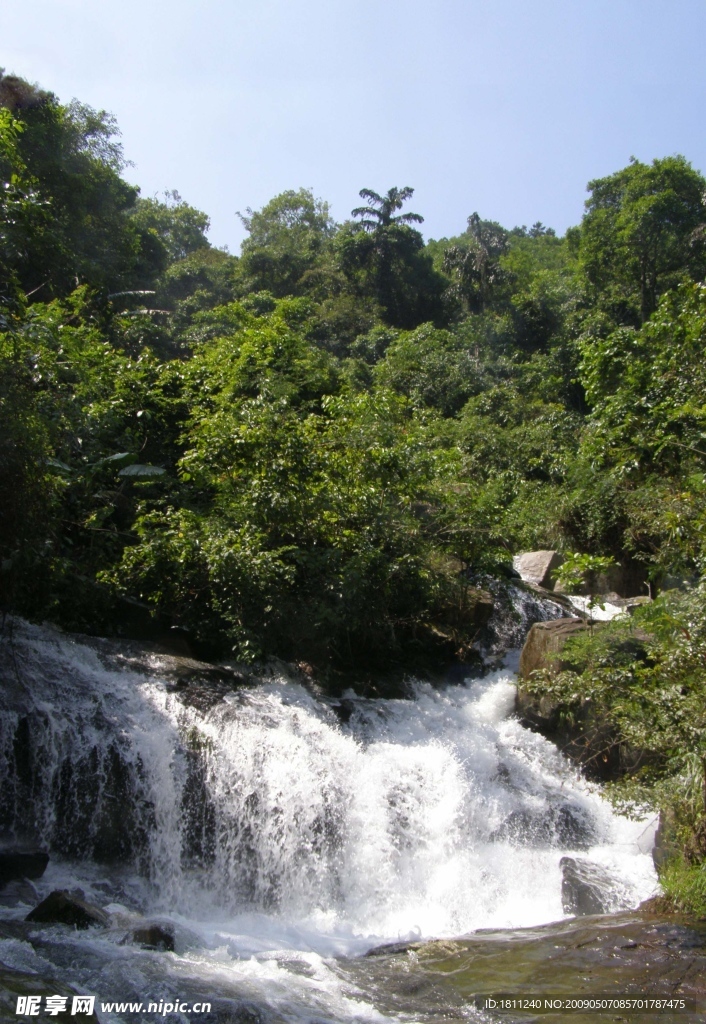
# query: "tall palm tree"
[[379, 213]]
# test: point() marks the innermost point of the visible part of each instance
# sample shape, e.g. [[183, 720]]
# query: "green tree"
[[72, 157], [286, 241], [647, 429], [385, 258], [294, 532], [639, 234], [380, 210], [475, 266], [180, 228]]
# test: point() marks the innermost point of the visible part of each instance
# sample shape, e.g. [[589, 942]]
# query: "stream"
[[315, 859]]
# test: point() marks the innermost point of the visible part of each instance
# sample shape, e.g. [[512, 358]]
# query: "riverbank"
[[279, 835]]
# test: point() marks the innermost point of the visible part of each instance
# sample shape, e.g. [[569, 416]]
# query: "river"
[[281, 835]]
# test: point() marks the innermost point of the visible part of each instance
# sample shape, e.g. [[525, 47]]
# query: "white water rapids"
[[276, 832]]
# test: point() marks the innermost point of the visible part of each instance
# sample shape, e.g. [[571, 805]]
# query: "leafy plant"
[[579, 571]]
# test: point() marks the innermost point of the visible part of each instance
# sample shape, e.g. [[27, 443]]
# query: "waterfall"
[[352, 821]]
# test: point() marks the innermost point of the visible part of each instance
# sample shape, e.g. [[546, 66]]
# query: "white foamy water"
[[605, 613], [275, 835]]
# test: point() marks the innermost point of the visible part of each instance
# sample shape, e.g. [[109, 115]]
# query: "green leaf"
[[139, 471], [119, 458]]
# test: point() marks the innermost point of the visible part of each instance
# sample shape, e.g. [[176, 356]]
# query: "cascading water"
[[515, 609], [282, 827]]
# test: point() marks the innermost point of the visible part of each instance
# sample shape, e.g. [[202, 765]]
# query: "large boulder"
[[61, 907], [537, 567], [585, 737], [542, 650], [544, 644]]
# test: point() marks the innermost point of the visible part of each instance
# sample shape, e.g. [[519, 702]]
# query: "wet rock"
[[665, 845], [204, 692], [480, 606], [96, 813], [629, 604], [561, 827], [508, 571], [659, 905], [343, 709], [615, 955], [586, 888], [199, 813], [393, 948], [537, 567], [61, 907], [17, 863], [154, 936], [186, 671], [544, 644]]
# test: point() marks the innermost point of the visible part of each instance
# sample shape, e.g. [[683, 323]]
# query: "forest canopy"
[[308, 450]]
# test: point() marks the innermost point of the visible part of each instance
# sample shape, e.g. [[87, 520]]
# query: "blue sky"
[[507, 107]]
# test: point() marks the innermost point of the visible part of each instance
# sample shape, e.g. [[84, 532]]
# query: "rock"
[[658, 905], [480, 606], [17, 863], [154, 936], [60, 907], [394, 948], [586, 887], [508, 571], [536, 567], [629, 604], [584, 737], [562, 826], [544, 644], [472, 607], [628, 580]]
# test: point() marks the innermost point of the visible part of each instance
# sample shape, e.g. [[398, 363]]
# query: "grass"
[[685, 885]]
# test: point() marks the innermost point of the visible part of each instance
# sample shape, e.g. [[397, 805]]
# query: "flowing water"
[[282, 835]]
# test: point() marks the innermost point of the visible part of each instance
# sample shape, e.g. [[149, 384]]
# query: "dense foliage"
[[310, 449]]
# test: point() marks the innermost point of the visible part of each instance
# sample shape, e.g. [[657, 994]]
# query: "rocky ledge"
[[586, 739]]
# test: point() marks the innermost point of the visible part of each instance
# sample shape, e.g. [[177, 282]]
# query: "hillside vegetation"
[[309, 450]]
